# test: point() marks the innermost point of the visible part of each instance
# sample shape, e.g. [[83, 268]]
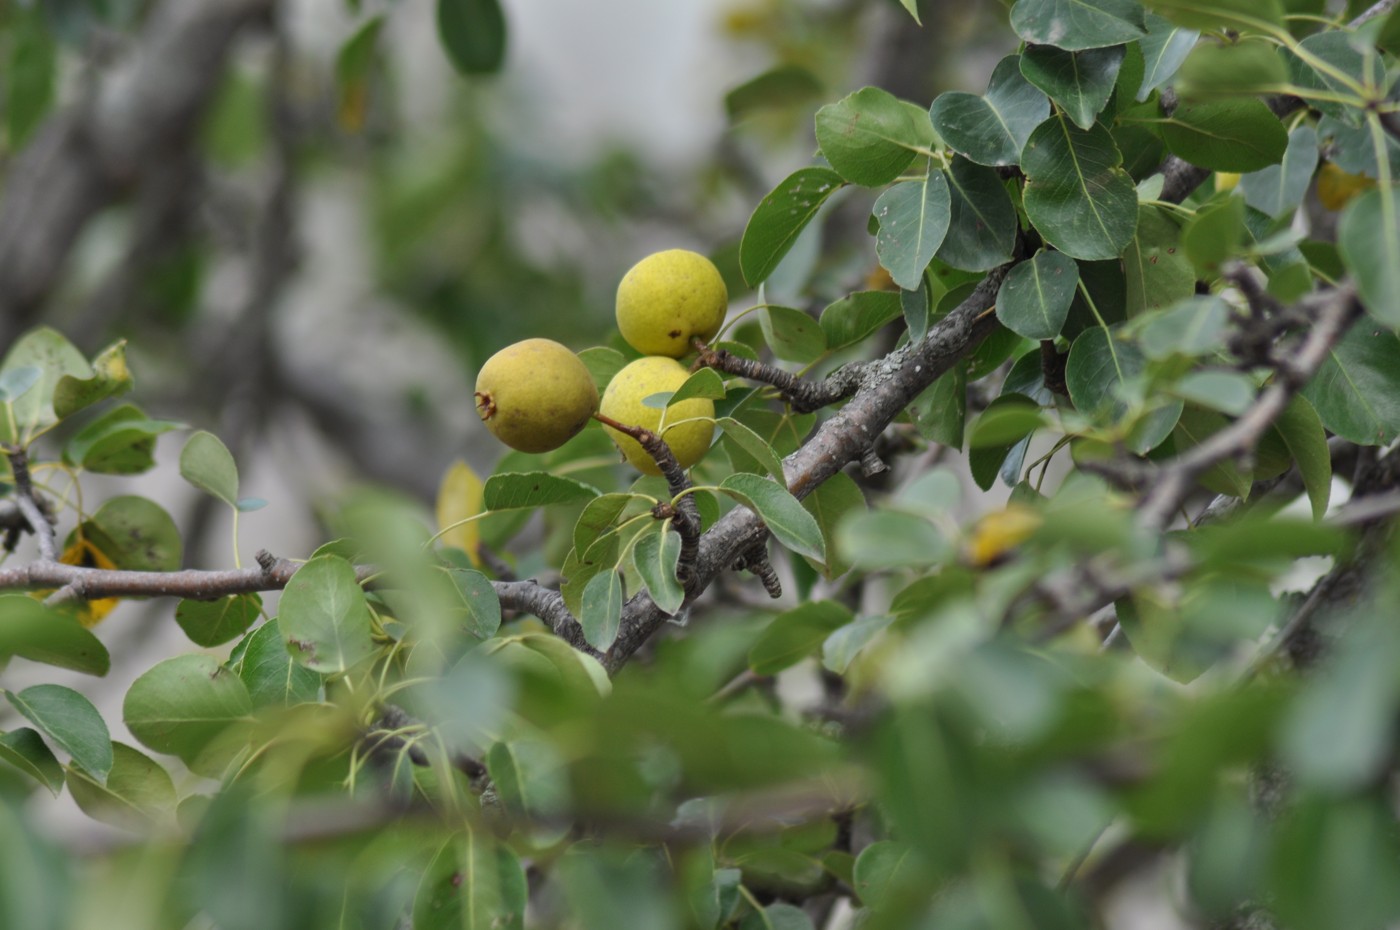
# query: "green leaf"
[[514, 490], [70, 720], [1214, 70], [1278, 190], [1076, 194], [1035, 297], [982, 226], [992, 129], [913, 218], [480, 605], [777, 917], [1155, 265], [786, 520], [38, 887], [780, 216], [602, 609], [1250, 16], [795, 635], [792, 334], [828, 504], [1099, 364], [136, 534], [473, 32], [120, 442], [33, 67], [180, 705], [1215, 233], [656, 556], [851, 319], [704, 383], [16, 382], [1078, 24], [530, 775], [205, 462], [598, 515], [1080, 82], [471, 884], [883, 539], [26, 750], [1195, 326], [843, 645], [136, 794], [110, 377], [1226, 135], [213, 623], [1357, 389], [32, 631], [1302, 431], [1164, 48], [50, 352], [1227, 391], [752, 445], [269, 673], [324, 619], [912, 6], [869, 137], [1007, 420], [580, 568], [602, 363], [940, 412], [888, 873], [1368, 237], [1339, 56], [783, 86]]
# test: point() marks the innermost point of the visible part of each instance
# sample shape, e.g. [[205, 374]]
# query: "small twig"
[[871, 464], [804, 396], [755, 560], [737, 685], [29, 504], [1052, 368], [492, 560], [383, 739]]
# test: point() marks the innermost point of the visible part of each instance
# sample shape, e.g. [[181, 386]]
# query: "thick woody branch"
[[802, 395]]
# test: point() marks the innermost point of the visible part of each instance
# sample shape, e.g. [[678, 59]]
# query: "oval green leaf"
[[1035, 297], [1076, 194], [780, 217], [70, 720], [323, 615]]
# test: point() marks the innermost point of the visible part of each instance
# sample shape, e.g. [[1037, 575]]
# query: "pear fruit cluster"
[[536, 395]]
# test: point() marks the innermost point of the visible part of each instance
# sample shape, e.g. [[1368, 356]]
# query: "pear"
[[535, 395], [669, 298], [623, 402]]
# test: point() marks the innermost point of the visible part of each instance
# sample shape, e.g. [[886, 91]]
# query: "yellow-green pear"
[[669, 298], [622, 401], [535, 395]]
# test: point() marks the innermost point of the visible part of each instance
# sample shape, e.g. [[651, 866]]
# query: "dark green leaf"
[[1226, 135], [602, 609], [26, 750], [656, 556], [914, 305], [795, 635], [1035, 297], [854, 317], [1164, 48], [1078, 24], [530, 775], [704, 383], [513, 490], [888, 873], [1357, 389], [992, 129], [1332, 57], [982, 228], [1080, 82], [1076, 194], [914, 218], [1249, 16], [1302, 431], [120, 442], [480, 606], [32, 631], [474, 34], [205, 462], [213, 623], [1007, 420], [940, 412], [324, 619], [869, 137], [784, 86], [1098, 364], [110, 378], [786, 520], [31, 75], [598, 515], [1215, 233], [753, 445], [70, 720], [1368, 237], [780, 216], [269, 673], [777, 917], [136, 534]]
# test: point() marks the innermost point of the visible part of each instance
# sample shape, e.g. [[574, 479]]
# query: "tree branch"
[[29, 504]]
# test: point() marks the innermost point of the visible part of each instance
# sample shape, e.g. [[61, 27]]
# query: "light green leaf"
[[854, 317], [70, 720], [844, 644], [136, 534], [1279, 189], [514, 490], [32, 631], [205, 462], [137, 792], [795, 635], [792, 334], [869, 137], [110, 377], [213, 623], [1155, 265], [752, 444], [1035, 297], [1195, 326], [530, 775], [52, 353], [480, 605], [1164, 48], [704, 383], [982, 227], [1226, 135], [1260, 17], [473, 32], [1368, 237], [180, 705], [883, 539], [602, 609], [992, 129], [324, 619], [656, 556], [31, 74], [887, 873], [913, 217], [1357, 389], [1078, 24], [1080, 82], [1076, 194], [1231, 69], [1227, 391], [786, 520], [598, 515], [780, 217], [777, 917], [471, 884], [828, 504]]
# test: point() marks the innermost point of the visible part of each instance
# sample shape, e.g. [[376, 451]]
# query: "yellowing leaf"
[[1335, 187], [83, 552], [460, 497], [999, 532]]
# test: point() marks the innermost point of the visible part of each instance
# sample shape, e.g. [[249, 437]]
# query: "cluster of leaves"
[[403, 738]]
